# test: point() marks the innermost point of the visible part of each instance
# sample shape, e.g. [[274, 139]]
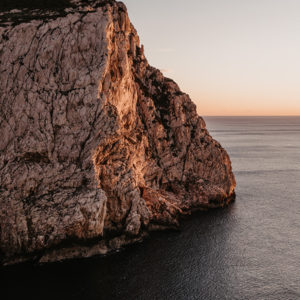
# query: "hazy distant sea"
[[250, 250]]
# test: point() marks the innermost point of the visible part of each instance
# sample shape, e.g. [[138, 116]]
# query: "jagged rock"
[[97, 147]]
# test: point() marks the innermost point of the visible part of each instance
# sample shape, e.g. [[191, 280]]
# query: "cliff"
[[97, 147]]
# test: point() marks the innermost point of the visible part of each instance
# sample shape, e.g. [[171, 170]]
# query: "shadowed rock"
[[34, 4], [97, 147]]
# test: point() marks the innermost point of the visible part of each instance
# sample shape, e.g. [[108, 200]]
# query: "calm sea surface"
[[250, 250]]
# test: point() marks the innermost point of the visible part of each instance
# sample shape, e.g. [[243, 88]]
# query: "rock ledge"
[[98, 147]]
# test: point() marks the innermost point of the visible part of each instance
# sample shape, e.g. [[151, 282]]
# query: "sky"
[[233, 57]]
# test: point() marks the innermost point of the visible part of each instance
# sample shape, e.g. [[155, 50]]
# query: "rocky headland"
[[97, 147]]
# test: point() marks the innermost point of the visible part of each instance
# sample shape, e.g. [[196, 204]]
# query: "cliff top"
[[6, 5], [13, 12]]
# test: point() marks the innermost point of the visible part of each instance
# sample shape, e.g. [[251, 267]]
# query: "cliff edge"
[[97, 147]]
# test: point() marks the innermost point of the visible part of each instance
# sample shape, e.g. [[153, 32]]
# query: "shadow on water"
[[249, 250], [159, 268]]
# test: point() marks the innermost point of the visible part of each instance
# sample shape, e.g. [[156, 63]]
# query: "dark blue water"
[[250, 250]]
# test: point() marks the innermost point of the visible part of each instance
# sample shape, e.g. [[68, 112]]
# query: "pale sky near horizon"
[[233, 57]]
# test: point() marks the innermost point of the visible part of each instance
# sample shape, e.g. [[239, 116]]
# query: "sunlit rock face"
[[97, 147]]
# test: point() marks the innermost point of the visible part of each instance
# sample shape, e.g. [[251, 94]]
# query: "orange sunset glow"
[[232, 57]]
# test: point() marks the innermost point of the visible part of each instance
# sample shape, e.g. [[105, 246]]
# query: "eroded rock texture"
[[97, 147]]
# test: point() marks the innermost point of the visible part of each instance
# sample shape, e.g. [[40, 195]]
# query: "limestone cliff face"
[[97, 147]]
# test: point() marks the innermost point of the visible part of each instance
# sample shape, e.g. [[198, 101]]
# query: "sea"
[[249, 250]]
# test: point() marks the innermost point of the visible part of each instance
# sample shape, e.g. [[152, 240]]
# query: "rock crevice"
[[98, 147]]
